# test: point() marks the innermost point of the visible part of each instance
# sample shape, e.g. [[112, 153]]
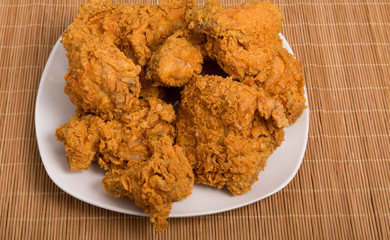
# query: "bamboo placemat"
[[342, 189]]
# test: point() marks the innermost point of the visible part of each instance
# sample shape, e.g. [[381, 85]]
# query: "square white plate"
[[53, 108]]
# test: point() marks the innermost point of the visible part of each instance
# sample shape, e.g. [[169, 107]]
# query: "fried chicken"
[[80, 137], [155, 184], [139, 154], [285, 83], [145, 27], [134, 30], [244, 40], [101, 79], [90, 24], [125, 59], [227, 131], [241, 38], [175, 63], [137, 30], [114, 143]]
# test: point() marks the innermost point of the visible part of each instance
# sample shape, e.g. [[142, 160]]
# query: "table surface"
[[342, 189]]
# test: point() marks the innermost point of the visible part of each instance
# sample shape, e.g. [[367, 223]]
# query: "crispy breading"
[[137, 30], [80, 137], [244, 40], [155, 184], [227, 131], [114, 143], [286, 83], [101, 79], [176, 62], [145, 27], [137, 151], [241, 37], [134, 30]]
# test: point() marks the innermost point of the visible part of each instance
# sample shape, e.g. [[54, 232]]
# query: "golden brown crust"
[[175, 63], [285, 84], [145, 27], [241, 38], [101, 79], [228, 130], [80, 137], [155, 184], [244, 40], [137, 146], [114, 143]]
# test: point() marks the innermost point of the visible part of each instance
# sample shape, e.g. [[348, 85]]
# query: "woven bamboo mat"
[[342, 189]]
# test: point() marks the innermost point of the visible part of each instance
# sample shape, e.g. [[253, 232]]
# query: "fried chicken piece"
[[241, 38], [114, 143], [228, 130], [175, 63], [285, 84], [90, 23], [101, 79], [143, 163], [156, 184], [80, 137], [137, 30], [244, 41], [145, 27]]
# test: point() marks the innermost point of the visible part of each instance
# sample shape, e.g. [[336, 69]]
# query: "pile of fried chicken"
[[236, 88]]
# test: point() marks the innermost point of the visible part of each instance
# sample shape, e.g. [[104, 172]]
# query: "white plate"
[[53, 108]]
